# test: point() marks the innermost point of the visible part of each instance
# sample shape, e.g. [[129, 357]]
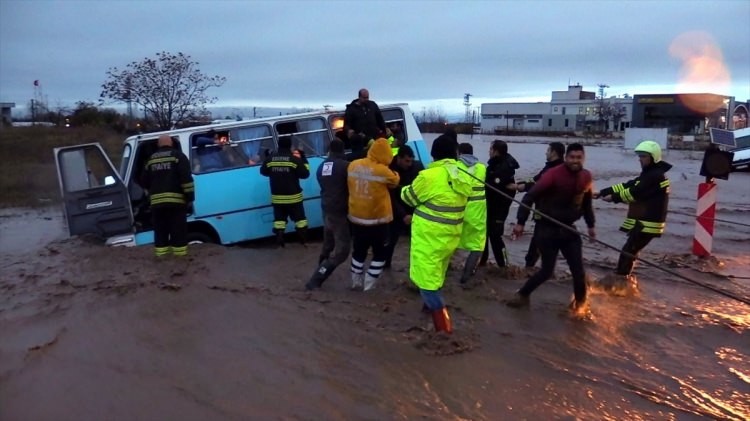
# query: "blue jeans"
[[432, 299]]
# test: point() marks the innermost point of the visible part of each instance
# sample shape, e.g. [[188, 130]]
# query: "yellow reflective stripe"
[[618, 187], [653, 230], [180, 251], [438, 219], [478, 188], [282, 164], [282, 199], [161, 251], [279, 224], [664, 184], [474, 198], [649, 224], [410, 197], [438, 208], [307, 166], [161, 160], [302, 223], [627, 196], [170, 200]]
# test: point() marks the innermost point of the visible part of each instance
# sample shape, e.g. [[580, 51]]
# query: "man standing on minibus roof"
[[363, 117]]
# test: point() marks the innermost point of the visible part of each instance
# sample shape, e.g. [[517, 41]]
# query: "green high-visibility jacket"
[[474, 232], [438, 196]]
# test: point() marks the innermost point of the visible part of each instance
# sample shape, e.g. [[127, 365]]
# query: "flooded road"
[[89, 332]]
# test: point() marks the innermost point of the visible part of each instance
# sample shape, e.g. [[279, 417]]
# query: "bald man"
[[363, 117], [171, 193]]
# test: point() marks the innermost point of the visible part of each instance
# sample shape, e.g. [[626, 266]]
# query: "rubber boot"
[[358, 281], [279, 238], [442, 320], [302, 234], [320, 275], [369, 282], [471, 266]]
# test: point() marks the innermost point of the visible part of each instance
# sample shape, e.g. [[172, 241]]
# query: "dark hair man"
[[407, 169], [171, 194], [501, 171], [284, 169], [554, 156], [334, 199], [363, 117], [564, 193], [647, 197]]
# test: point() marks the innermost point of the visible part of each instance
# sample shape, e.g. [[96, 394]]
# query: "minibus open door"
[[96, 200]]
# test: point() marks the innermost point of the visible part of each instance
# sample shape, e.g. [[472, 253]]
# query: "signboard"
[[722, 137]]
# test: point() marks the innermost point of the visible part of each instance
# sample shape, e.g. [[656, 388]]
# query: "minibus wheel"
[[198, 238]]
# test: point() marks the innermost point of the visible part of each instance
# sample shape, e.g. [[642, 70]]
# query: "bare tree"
[[170, 87]]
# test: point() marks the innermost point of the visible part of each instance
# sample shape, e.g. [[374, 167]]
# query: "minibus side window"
[[215, 150], [309, 135], [394, 120], [253, 143]]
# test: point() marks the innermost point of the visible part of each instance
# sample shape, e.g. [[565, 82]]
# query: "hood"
[[659, 166], [380, 152], [468, 159], [507, 159]]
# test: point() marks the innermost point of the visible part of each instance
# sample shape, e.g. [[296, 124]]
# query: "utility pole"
[[601, 89], [467, 105]]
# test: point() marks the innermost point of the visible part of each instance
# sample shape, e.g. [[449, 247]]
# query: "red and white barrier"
[[705, 213]]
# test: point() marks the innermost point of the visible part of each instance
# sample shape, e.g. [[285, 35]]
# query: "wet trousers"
[[284, 211], [170, 230], [337, 240], [366, 237], [551, 240], [532, 255], [636, 242], [395, 229], [495, 229]]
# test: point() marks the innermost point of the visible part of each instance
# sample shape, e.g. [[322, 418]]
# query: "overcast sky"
[[311, 53]]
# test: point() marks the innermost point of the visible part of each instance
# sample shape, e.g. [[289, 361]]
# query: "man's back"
[[332, 177]]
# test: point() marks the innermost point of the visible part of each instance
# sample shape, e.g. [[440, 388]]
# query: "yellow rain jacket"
[[438, 195], [474, 232], [368, 180]]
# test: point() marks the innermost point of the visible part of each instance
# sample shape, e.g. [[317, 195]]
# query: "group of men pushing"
[[455, 203]]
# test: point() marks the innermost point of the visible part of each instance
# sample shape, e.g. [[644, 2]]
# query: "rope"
[[572, 229], [711, 219]]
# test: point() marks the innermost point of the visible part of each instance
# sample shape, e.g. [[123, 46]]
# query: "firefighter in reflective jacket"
[[474, 232], [647, 197], [284, 169], [438, 195], [167, 178]]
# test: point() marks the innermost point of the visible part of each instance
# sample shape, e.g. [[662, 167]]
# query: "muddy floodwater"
[[92, 333]]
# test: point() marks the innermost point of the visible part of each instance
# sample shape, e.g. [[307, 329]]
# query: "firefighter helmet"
[[650, 147]]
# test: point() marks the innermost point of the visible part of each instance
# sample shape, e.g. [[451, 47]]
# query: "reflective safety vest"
[[474, 232], [438, 195]]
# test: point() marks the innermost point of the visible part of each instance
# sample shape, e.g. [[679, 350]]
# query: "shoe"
[[369, 282], [579, 307], [518, 301], [358, 281], [442, 321]]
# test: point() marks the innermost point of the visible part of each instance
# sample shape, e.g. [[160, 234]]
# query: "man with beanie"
[[334, 199], [284, 170], [438, 196], [370, 212], [647, 197], [474, 232]]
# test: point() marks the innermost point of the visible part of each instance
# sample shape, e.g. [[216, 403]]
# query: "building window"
[[566, 122], [581, 110], [563, 110], [549, 122], [555, 109]]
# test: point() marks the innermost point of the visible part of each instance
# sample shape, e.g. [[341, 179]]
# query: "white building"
[[571, 110]]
